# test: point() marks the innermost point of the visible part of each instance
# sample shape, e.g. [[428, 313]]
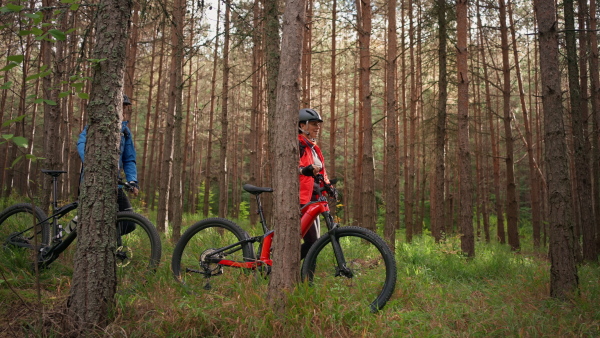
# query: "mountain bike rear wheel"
[[191, 263], [17, 224], [366, 276]]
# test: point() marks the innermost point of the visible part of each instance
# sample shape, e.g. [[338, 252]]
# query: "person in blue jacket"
[[127, 163]]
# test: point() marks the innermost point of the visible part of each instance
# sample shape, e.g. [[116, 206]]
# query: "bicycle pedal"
[[207, 286]]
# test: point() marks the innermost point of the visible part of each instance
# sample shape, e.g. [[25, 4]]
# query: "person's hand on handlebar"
[[310, 170], [333, 193], [133, 187]]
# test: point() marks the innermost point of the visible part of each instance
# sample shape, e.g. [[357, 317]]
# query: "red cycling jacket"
[[306, 159]]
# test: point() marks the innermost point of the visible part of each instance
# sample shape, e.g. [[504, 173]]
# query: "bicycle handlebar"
[[126, 185], [327, 187]]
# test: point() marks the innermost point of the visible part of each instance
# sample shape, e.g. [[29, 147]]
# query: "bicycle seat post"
[[263, 221], [54, 192]]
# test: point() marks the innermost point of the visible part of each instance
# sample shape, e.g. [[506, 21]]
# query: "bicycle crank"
[[124, 255]]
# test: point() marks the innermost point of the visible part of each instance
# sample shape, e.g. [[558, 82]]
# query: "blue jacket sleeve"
[[128, 155], [81, 143]]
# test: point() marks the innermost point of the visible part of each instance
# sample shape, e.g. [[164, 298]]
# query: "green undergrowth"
[[439, 293]]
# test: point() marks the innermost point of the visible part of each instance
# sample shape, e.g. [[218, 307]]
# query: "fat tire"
[[25, 208], [150, 230], [219, 223], [324, 245]]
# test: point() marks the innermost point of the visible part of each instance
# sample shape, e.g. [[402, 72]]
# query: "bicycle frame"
[[58, 243], [310, 212]]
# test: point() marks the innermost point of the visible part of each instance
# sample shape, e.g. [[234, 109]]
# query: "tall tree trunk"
[[306, 72], [187, 176], [272, 51], [223, 165], [51, 113], [409, 193], [437, 226], [156, 136], [421, 190], [564, 280], [583, 148], [481, 146], [331, 169], [131, 52], [512, 206], [213, 99], [500, 234], [533, 178], [254, 146], [176, 100], [285, 149], [368, 217], [166, 172], [94, 270], [392, 173], [580, 163], [146, 182], [595, 98], [466, 193]]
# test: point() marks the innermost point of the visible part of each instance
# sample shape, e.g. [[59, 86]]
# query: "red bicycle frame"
[[309, 213]]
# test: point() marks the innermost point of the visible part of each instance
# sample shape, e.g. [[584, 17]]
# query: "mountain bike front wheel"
[[138, 248], [365, 274]]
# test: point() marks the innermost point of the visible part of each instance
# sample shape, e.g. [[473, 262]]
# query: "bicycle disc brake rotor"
[[124, 255], [211, 268]]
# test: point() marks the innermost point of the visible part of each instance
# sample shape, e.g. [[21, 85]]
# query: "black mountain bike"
[[27, 230]]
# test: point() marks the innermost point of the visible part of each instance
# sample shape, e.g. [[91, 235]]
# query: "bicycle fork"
[[342, 269]]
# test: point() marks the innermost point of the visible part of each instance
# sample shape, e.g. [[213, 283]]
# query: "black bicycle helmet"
[[126, 101], [307, 115]]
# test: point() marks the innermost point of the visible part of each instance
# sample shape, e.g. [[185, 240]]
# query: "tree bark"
[[272, 51], [595, 98], [467, 242], [437, 226], [211, 114], [94, 278], [533, 177], [156, 136], [392, 174], [146, 182], [176, 101], [285, 150], [512, 206], [51, 113], [583, 147], [368, 217], [223, 165], [563, 271]]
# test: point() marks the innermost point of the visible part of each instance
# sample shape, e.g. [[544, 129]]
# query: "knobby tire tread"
[[156, 246], [223, 223], [324, 243]]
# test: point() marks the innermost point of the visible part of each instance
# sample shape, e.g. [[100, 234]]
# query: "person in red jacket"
[[311, 163]]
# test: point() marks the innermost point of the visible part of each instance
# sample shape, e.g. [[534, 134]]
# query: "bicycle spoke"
[[18, 236], [136, 253], [195, 255], [367, 277]]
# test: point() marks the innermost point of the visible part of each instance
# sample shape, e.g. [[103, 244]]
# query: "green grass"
[[439, 293]]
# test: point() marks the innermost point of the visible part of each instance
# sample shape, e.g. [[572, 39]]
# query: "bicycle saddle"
[[53, 173], [256, 190]]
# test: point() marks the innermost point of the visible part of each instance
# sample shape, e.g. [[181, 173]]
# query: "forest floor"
[[439, 293]]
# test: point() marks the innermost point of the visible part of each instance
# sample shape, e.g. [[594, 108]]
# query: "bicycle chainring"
[[123, 255]]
